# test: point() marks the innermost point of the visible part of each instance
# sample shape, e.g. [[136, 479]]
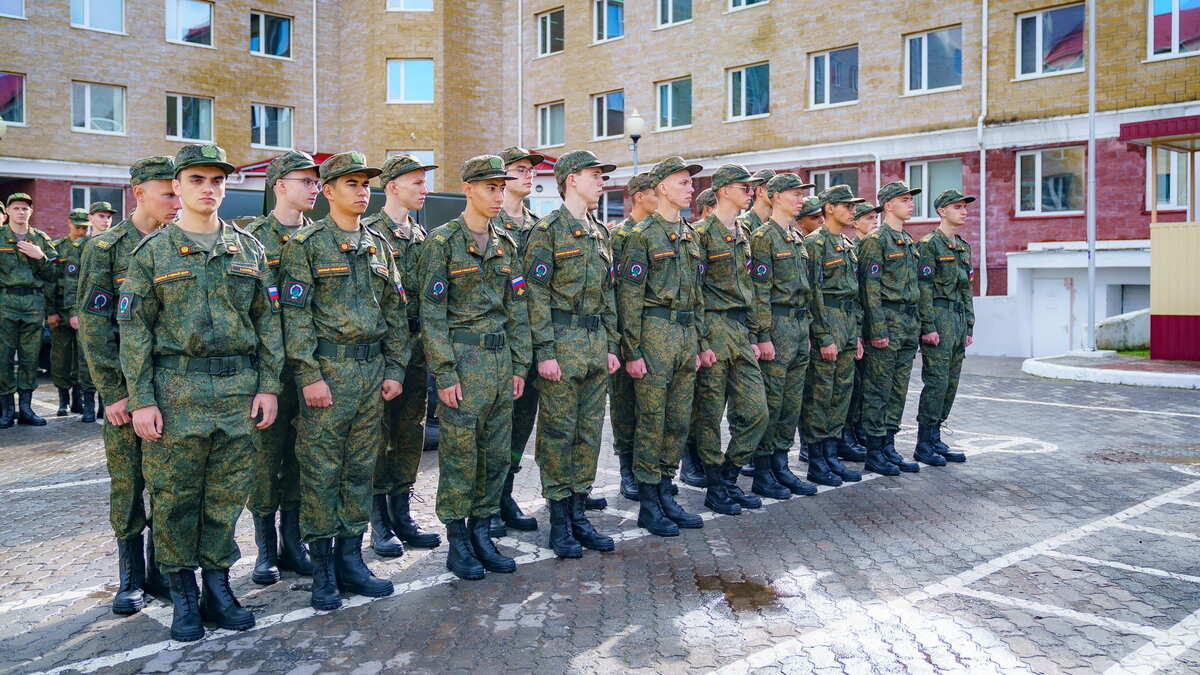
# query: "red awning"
[[260, 168], [1179, 132]]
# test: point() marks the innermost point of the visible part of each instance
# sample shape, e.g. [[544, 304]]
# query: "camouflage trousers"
[[20, 335], [663, 399], [336, 448], [621, 411], [475, 438], [885, 385], [734, 379], [855, 412], [403, 437], [572, 415], [941, 366], [523, 416], [784, 379], [199, 471], [276, 482], [68, 368], [123, 455], [827, 396]]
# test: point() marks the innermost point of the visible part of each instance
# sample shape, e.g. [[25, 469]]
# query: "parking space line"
[[1155, 530], [1161, 650], [1122, 566], [1185, 502], [1081, 617], [1094, 408], [56, 486]]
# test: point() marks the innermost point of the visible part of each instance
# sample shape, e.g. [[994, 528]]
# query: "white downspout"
[[983, 111], [520, 78], [315, 137], [878, 178]]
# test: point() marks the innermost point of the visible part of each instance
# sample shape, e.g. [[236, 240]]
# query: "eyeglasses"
[[523, 171], [308, 182]]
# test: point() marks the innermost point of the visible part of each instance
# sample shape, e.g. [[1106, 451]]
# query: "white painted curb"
[[1043, 368]]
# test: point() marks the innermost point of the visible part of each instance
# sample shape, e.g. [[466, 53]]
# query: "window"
[[544, 206], [608, 115], [674, 11], [550, 124], [426, 158], [271, 126], [12, 98], [835, 77], [410, 81], [824, 179], [550, 32], [270, 35], [410, 5], [1174, 27], [1171, 174], [738, 4], [932, 177], [12, 8], [1050, 181], [935, 60], [612, 206], [608, 19], [189, 118], [675, 104], [750, 91], [189, 21], [82, 197], [1050, 41], [98, 108], [106, 15]]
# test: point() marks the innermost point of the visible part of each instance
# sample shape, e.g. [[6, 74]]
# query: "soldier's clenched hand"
[[707, 358], [858, 350], [549, 370], [931, 338], [116, 413], [881, 343], [30, 250], [829, 352], [614, 364], [636, 369], [766, 351], [450, 396], [53, 320], [391, 389], [148, 423], [518, 386], [317, 395], [268, 405]]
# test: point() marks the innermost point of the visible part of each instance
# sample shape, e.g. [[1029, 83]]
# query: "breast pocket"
[[570, 267], [176, 287], [331, 279], [466, 276]]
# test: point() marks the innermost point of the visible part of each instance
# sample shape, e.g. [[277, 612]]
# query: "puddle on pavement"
[[741, 595], [1184, 453]]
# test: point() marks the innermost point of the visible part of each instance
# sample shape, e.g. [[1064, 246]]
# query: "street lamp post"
[[635, 125]]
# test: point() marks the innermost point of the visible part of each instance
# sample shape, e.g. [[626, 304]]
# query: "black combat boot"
[[594, 503], [132, 569], [941, 448], [266, 565], [324, 586], [293, 554], [860, 434], [818, 467], [673, 511], [650, 513], [748, 469], [803, 456], [485, 549], [403, 524], [876, 461], [585, 533], [76, 400], [218, 604], [924, 451], [848, 449], [835, 463], [383, 539], [353, 575], [7, 411], [562, 541], [691, 468], [461, 560], [789, 480], [889, 451], [729, 472], [628, 484], [64, 402], [186, 625], [154, 583], [496, 528], [717, 498], [89, 407], [25, 414], [765, 484], [510, 511]]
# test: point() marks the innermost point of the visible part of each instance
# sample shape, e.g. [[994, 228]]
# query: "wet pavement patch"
[[742, 595]]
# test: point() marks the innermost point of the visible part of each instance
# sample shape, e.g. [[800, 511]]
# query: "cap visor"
[[693, 169], [224, 166], [489, 176]]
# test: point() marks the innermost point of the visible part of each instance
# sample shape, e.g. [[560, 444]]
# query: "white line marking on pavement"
[[1162, 413], [1122, 566], [1081, 617], [1185, 502], [43, 600], [55, 486], [1155, 530], [1161, 650]]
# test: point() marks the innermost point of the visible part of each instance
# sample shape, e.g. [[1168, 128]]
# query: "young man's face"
[[901, 207], [100, 220], [298, 189], [19, 213], [866, 223], [157, 199], [523, 171], [841, 213], [760, 195], [410, 189], [738, 193], [789, 201], [809, 224], [485, 197], [676, 189], [954, 214], [589, 183], [201, 189], [646, 200], [350, 193]]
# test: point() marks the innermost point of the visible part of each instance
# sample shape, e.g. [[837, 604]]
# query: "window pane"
[[12, 7], [819, 79], [114, 196], [598, 17], [944, 174], [735, 91], [108, 108], [843, 75], [845, 177], [195, 22], [1189, 25], [414, 4], [79, 198], [681, 95], [1027, 186], [1161, 26], [196, 114], [915, 59], [598, 116], [1029, 45], [104, 14], [79, 105], [172, 115], [681, 10], [279, 127], [1183, 178], [1062, 179], [945, 58], [394, 74], [255, 33], [418, 80], [77, 16], [615, 18], [610, 114], [758, 89], [1062, 44], [12, 98], [916, 179], [556, 31], [820, 180], [279, 36], [556, 124], [664, 105]]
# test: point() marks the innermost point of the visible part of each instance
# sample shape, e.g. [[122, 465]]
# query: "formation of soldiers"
[[282, 365]]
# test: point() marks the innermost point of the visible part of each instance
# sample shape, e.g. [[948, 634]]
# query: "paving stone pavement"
[[1066, 544]]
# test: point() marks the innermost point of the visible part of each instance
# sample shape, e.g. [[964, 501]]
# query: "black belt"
[[906, 307], [363, 351], [414, 324], [682, 318], [492, 341], [949, 304], [735, 315], [20, 290], [784, 310], [588, 321], [844, 305], [217, 366]]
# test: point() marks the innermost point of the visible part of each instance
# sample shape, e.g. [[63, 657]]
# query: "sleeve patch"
[[760, 271], [100, 302], [926, 271], [273, 297], [295, 293], [518, 286], [382, 271], [635, 271], [540, 271], [72, 269], [403, 294], [437, 289], [874, 270], [125, 307]]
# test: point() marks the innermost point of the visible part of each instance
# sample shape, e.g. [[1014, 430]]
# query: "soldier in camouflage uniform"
[[887, 267], [621, 409], [27, 271], [573, 321], [346, 336], [662, 317], [292, 178], [403, 439], [475, 328], [866, 219], [64, 366], [947, 314], [104, 267], [760, 210], [691, 468], [779, 267], [705, 202], [201, 351], [836, 332]]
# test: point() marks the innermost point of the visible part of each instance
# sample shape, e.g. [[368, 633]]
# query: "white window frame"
[[87, 13], [1039, 73], [739, 5], [812, 176], [1174, 53], [24, 108], [925, 198], [261, 109], [1180, 185], [87, 196], [600, 19], [87, 109], [599, 100], [399, 6], [660, 21], [262, 35], [16, 16], [543, 29], [212, 28], [179, 117], [729, 116], [542, 110], [924, 37], [403, 75], [659, 88], [812, 71], [1037, 183]]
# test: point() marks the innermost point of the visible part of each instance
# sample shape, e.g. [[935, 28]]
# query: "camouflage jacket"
[[835, 309], [750, 220], [20, 271], [406, 251], [271, 233], [725, 277], [780, 269], [945, 274], [519, 233], [887, 272], [70, 258]]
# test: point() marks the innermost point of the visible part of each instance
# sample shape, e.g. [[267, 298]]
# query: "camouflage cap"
[[484, 167], [290, 161], [839, 194], [101, 207], [516, 154], [578, 160], [398, 165], [669, 166], [78, 217], [812, 207], [895, 189], [638, 183], [864, 208], [727, 174], [18, 197], [202, 154], [706, 198], [158, 167], [763, 176], [346, 162], [946, 198], [786, 181]]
